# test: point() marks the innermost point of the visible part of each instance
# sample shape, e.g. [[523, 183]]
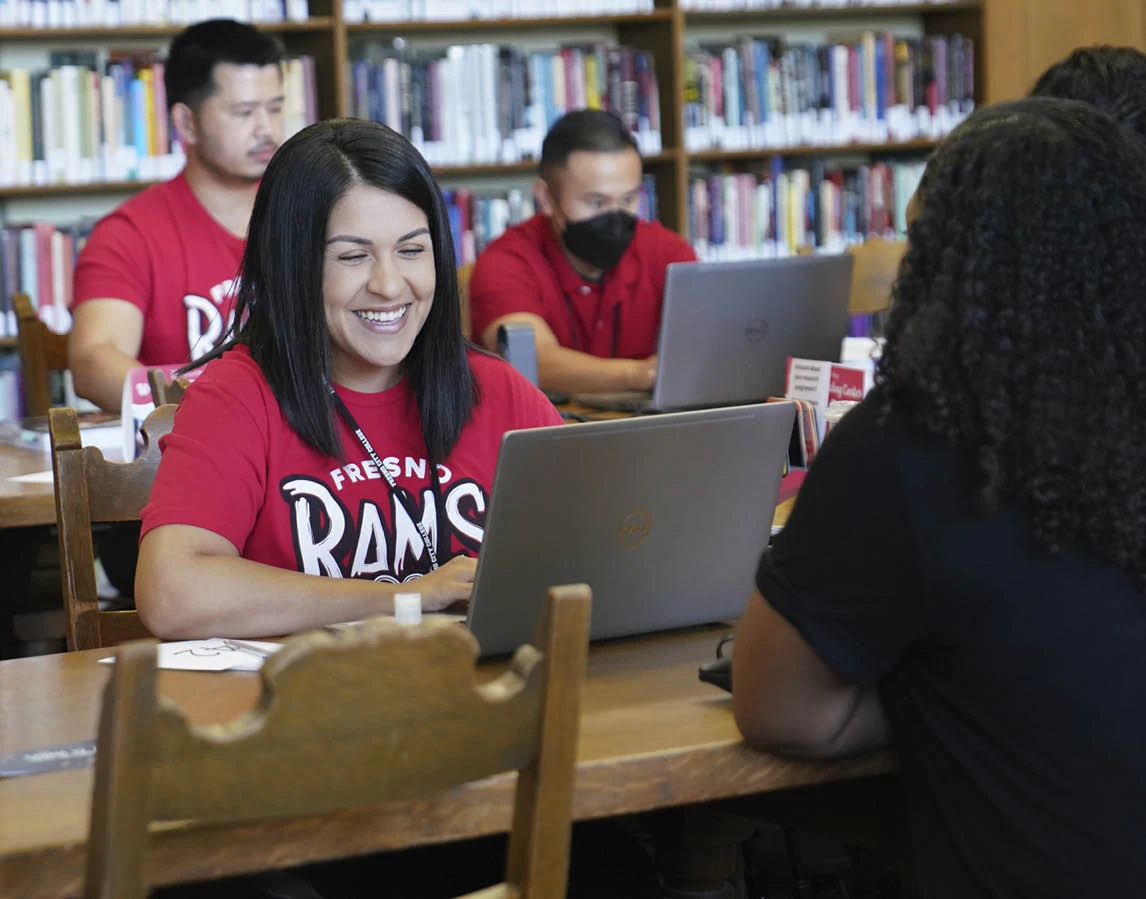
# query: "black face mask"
[[602, 240]]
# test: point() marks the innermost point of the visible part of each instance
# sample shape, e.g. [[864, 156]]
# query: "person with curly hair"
[[1111, 78], [963, 572]]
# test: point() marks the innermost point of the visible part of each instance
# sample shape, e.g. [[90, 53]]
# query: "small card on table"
[[45, 759]]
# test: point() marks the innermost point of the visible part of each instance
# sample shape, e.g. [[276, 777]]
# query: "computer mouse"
[[719, 671]]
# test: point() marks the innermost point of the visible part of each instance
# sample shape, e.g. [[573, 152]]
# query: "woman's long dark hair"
[[279, 312], [1018, 328]]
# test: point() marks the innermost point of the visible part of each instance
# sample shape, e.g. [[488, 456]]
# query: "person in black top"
[[963, 572], [1111, 78]]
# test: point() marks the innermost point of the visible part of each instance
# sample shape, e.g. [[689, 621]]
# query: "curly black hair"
[[1018, 327], [1111, 78]]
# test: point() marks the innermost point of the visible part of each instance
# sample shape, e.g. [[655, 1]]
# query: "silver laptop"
[[728, 328], [663, 516]]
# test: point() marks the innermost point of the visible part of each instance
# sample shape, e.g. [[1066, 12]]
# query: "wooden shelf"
[[700, 17], [67, 190], [478, 171], [442, 171], [913, 146], [529, 166], [8, 343], [663, 32], [666, 158], [41, 35], [460, 25]]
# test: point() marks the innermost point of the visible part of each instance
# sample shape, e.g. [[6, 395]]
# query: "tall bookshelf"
[[664, 32], [667, 33]]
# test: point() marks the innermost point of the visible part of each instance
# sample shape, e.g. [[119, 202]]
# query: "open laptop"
[[664, 517], [728, 328]]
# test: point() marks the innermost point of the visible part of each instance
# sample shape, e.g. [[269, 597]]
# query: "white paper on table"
[[33, 477], [216, 654]]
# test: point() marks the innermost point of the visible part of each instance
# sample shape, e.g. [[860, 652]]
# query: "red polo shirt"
[[525, 270]]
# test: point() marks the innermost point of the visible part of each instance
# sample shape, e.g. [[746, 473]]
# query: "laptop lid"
[[728, 328], [663, 516]]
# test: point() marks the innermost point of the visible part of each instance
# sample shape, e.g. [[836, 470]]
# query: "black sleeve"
[[844, 570]]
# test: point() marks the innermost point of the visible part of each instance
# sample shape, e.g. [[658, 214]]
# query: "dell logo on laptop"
[[756, 330], [634, 528]]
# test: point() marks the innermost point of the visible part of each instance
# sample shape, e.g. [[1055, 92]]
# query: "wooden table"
[[22, 504], [653, 736]]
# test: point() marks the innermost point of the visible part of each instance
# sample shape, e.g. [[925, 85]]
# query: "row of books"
[[783, 210], [734, 5], [463, 10], [85, 120], [477, 219], [486, 104], [39, 259], [766, 92], [115, 13]]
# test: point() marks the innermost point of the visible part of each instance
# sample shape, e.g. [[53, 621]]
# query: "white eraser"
[[408, 608]]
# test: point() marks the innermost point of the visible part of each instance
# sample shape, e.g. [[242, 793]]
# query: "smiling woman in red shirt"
[[341, 445]]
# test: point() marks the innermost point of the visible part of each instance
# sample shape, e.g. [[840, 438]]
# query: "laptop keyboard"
[[619, 401]]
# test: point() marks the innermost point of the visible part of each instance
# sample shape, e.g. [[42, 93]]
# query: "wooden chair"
[[42, 350], [343, 722], [464, 292], [91, 490], [164, 391], [875, 269]]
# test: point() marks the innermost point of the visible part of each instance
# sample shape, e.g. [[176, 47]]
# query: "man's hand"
[[643, 373]]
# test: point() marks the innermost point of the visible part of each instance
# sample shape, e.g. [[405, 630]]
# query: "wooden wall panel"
[[1004, 48], [1023, 37]]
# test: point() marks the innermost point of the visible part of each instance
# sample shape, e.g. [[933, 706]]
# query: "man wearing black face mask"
[[585, 273]]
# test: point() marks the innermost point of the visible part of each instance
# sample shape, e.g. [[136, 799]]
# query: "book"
[[820, 383], [815, 385]]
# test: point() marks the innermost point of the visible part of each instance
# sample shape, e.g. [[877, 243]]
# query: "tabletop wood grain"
[[652, 736], [23, 504]]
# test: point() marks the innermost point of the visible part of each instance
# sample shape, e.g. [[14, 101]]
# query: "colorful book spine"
[[766, 92], [790, 209], [38, 259], [83, 120], [498, 101], [52, 14]]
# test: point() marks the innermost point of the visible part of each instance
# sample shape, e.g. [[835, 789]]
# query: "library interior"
[[415, 415]]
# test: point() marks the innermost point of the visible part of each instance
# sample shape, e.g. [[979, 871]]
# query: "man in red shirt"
[[584, 272], [155, 281]]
